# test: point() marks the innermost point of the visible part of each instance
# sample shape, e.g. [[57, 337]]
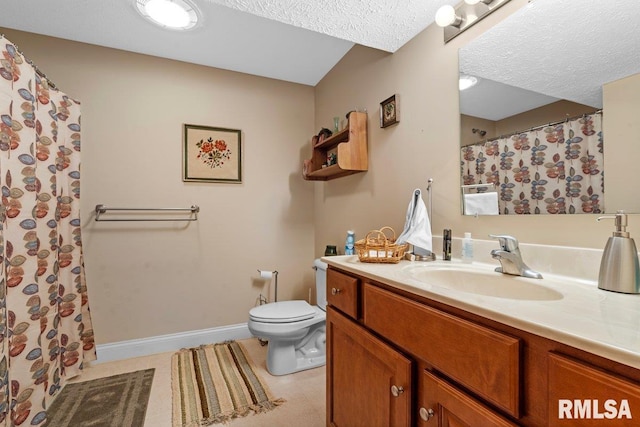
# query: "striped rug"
[[215, 383]]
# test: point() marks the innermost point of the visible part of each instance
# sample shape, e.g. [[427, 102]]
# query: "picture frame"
[[389, 111], [211, 154]]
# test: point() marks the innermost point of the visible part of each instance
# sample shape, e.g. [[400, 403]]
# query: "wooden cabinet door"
[[442, 404], [361, 373], [583, 395]]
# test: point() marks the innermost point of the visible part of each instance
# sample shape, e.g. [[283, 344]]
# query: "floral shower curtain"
[[45, 325], [555, 169]]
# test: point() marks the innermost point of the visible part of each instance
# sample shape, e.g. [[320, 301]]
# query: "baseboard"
[[172, 342]]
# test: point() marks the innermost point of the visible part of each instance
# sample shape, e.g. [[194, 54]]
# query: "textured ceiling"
[[292, 40], [560, 49]]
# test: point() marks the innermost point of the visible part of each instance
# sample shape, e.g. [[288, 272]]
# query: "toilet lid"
[[282, 312]]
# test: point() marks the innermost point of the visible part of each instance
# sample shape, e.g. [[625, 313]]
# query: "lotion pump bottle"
[[467, 248], [619, 268]]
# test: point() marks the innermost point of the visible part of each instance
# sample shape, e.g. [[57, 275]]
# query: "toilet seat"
[[282, 312]]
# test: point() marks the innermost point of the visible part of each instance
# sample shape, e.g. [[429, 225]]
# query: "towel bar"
[[102, 209]]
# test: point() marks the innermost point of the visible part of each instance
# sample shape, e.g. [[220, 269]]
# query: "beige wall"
[[549, 113], [468, 123], [425, 144], [149, 279], [621, 128]]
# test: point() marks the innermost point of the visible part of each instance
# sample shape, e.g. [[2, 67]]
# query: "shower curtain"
[[554, 169], [45, 325]]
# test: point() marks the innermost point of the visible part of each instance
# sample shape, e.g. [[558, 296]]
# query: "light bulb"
[[173, 14], [466, 82], [446, 16], [167, 13]]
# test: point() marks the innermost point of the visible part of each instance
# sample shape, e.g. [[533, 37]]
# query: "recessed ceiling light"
[[171, 14], [466, 82]]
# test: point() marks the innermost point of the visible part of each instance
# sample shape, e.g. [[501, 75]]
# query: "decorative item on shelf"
[[336, 124], [378, 247], [332, 158], [389, 114], [323, 134]]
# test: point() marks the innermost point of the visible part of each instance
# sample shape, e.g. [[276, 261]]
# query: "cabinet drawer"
[[342, 292], [450, 407], [483, 360], [583, 395]]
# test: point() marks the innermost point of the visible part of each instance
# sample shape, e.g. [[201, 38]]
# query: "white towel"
[[417, 228], [481, 203]]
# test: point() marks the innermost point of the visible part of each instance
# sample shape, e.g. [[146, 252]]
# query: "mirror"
[[549, 64]]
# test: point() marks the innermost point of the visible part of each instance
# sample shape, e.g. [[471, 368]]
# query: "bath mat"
[[215, 383], [116, 401]]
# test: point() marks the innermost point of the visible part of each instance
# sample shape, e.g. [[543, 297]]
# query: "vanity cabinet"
[[395, 358], [349, 146], [374, 379]]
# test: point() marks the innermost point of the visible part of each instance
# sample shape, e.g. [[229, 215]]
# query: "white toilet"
[[295, 329]]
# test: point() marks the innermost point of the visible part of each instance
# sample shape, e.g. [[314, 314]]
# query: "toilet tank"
[[321, 283]]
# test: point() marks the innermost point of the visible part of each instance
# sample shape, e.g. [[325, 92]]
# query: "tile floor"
[[304, 391]]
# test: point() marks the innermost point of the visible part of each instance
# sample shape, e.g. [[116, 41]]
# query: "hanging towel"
[[481, 203], [417, 228]]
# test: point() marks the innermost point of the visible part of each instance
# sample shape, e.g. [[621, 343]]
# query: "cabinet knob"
[[426, 414], [335, 291], [396, 391]]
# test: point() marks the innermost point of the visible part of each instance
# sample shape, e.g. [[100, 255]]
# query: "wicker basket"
[[378, 247]]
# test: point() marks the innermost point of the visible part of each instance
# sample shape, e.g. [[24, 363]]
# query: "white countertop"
[[600, 322]]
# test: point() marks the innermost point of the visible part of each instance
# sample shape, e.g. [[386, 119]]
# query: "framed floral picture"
[[389, 112], [212, 154]]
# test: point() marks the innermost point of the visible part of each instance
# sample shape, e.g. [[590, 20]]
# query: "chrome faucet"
[[511, 259]]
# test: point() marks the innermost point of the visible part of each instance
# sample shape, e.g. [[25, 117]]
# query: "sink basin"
[[489, 283]]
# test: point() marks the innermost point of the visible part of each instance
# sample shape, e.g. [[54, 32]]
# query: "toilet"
[[295, 329]]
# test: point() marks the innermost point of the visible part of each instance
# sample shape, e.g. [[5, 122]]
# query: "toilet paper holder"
[[266, 274]]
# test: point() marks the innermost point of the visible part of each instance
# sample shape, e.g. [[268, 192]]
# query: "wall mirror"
[[551, 106]]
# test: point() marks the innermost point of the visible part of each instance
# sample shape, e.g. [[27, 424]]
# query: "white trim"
[[172, 342]]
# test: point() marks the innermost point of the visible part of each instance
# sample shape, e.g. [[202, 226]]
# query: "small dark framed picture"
[[389, 111], [212, 154]]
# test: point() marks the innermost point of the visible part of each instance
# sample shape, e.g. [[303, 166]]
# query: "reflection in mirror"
[[535, 121]]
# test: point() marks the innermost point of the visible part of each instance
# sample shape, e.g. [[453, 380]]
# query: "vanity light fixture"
[[170, 14], [455, 20], [472, 2]]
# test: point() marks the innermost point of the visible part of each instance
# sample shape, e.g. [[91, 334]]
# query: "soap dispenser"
[[619, 268]]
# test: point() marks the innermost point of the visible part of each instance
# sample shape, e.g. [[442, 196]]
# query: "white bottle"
[[467, 248]]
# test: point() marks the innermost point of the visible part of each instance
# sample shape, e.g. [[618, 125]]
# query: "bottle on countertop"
[[467, 248], [350, 243], [446, 244]]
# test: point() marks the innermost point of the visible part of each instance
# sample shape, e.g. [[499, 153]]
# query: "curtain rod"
[[535, 128], [39, 72]]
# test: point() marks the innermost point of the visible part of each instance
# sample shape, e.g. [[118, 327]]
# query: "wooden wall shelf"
[[350, 147]]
